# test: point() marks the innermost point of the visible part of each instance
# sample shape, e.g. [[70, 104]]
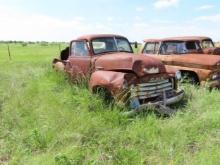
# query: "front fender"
[[110, 80]]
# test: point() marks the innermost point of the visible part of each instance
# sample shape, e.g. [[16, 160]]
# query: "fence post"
[[9, 52], [59, 48]]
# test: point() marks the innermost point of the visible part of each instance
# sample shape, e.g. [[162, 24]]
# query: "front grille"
[[151, 89]]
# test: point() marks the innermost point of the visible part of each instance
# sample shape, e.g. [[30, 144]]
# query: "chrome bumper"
[[135, 103]]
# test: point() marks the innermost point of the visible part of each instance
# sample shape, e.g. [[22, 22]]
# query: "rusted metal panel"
[[203, 74], [113, 81], [192, 60], [141, 65], [214, 51]]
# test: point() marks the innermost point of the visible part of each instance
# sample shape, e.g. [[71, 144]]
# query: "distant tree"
[[24, 44], [44, 43]]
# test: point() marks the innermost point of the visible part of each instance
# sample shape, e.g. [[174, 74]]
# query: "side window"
[[207, 44], [149, 48], [191, 45], [79, 48]]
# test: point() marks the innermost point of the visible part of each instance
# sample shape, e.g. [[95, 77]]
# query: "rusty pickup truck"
[[192, 44], [186, 56], [109, 63]]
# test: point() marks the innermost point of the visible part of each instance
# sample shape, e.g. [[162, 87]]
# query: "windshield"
[[178, 47], [110, 44], [207, 44]]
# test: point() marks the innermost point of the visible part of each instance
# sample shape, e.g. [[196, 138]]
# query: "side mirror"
[[135, 44]]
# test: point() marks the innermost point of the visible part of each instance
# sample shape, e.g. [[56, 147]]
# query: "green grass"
[[138, 49], [44, 119]]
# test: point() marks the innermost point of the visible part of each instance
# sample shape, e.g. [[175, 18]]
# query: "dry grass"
[[217, 44]]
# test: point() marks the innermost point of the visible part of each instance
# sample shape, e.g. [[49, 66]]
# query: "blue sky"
[[64, 20]]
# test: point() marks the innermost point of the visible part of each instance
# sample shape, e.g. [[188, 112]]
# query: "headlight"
[[178, 75], [214, 76], [153, 70]]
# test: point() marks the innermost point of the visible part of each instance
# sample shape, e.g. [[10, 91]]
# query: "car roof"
[[89, 37], [183, 38]]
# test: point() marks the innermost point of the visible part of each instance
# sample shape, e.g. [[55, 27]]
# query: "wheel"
[[190, 78], [104, 94]]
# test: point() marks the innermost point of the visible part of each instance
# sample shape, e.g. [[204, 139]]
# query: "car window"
[[173, 48], [110, 44], [123, 45], [79, 48], [191, 45], [149, 48], [207, 44], [101, 45]]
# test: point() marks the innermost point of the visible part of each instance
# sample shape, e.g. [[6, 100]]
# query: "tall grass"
[[45, 119]]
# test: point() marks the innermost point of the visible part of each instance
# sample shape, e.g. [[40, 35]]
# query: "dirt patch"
[[4, 159]]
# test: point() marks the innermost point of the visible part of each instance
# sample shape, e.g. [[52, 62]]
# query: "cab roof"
[[183, 38], [90, 37]]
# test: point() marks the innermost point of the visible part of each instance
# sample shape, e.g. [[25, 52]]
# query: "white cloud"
[[205, 7], [211, 18], [140, 9], [110, 18], [138, 18], [160, 4], [19, 25], [141, 30], [162, 21], [16, 25]]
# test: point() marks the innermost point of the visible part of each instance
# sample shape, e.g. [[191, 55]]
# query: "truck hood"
[[214, 51], [139, 64], [203, 61]]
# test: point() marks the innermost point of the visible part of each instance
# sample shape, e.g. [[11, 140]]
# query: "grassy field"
[[46, 120]]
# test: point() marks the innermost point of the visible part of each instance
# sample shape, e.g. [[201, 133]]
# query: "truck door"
[[80, 58]]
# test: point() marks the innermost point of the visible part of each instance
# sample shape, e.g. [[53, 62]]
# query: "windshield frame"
[[115, 41]]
